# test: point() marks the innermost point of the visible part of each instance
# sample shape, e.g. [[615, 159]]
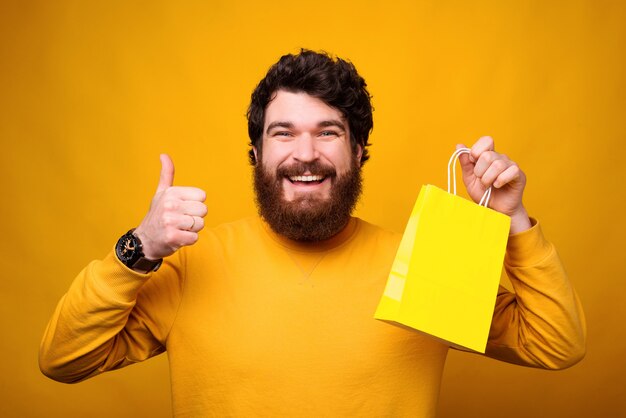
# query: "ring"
[[193, 223]]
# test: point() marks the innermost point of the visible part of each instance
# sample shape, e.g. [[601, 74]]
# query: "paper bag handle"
[[484, 201]]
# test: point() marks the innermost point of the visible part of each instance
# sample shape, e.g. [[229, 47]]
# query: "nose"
[[305, 149]]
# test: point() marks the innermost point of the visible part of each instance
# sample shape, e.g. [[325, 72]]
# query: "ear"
[[359, 152], [256, 155]]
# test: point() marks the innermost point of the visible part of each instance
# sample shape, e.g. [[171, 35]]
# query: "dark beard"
[[307, 218]]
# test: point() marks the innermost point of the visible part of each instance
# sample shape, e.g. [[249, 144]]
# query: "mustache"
[[300, 168]]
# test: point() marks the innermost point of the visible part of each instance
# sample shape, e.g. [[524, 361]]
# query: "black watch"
[[130, 252]]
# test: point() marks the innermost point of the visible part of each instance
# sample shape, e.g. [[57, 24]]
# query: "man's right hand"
[[175, 217]]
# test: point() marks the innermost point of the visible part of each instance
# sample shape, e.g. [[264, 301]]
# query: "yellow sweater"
[[257, 325]]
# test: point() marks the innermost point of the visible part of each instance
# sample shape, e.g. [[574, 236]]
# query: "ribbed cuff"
[[528, 247], [114, 276]]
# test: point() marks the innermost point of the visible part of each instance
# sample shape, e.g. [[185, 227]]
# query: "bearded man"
[[272, 315]]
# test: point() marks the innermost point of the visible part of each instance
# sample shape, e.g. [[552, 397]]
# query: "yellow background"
[[92, 92]]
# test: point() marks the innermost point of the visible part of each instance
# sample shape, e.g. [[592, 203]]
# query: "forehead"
[[299, 108]]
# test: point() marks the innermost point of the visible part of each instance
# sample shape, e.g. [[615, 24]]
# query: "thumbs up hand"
[[175, 217]]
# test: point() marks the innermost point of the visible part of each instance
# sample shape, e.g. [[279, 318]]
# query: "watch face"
[[127, 249], [130, 252]]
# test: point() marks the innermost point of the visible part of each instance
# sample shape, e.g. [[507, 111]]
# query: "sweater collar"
[[335, 241]]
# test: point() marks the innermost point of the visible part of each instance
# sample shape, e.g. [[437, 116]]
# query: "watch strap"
[[145, 265]]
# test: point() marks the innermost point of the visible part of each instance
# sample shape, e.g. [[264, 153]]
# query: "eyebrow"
[[333, 122], [278, 124], [289, 125]]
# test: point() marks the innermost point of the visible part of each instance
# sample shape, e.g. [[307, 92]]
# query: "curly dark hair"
[[333, 80]]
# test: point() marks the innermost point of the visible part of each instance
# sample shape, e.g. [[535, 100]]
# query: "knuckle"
[[500, 165], [491, 156], [170, 205], [484, 142], [170, 237], [168, 221]]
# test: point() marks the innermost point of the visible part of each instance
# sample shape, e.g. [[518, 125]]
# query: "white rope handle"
[[484, 201]]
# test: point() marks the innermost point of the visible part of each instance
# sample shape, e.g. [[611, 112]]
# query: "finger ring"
[[193, 223]]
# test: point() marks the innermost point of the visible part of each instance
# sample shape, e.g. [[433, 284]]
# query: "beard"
[[307, 217]]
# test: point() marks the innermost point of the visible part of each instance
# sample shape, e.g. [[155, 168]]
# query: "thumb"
[[167, 173], [465, 160]]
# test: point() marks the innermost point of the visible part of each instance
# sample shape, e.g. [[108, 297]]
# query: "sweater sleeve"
[[542, 323], [110, 317]]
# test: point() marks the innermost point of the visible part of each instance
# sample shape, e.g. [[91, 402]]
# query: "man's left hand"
[[484, 167]]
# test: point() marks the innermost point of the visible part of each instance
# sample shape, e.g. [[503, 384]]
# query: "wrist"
[[520, 221], [129, 250], [146, 244]]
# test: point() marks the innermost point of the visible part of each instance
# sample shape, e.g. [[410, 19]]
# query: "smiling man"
[[308, 178], [272, 315], [310, 132]]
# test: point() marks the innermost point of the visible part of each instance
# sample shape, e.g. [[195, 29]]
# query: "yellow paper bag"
[[444, 279]]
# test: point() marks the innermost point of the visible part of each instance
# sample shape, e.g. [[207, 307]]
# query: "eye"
[[329, 133], [282, 133]]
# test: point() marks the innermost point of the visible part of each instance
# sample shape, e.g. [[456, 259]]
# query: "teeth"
[[306, 178]]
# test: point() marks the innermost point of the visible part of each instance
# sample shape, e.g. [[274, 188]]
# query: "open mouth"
[[311, 179]]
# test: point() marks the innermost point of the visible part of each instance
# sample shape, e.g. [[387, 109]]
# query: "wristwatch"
[[130, 252]]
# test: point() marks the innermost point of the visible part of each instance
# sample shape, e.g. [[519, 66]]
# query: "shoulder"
[[377, 235], [224, 241], [240, 227], [244, 232], [372, 229]]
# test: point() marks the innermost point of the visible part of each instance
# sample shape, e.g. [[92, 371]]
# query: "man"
[[272, 315]]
